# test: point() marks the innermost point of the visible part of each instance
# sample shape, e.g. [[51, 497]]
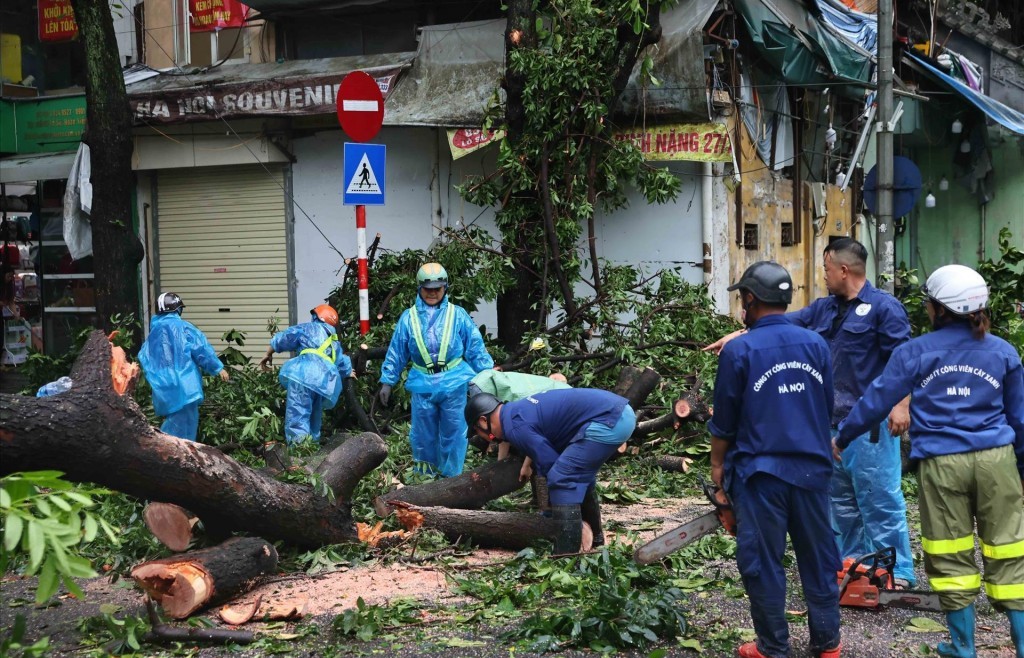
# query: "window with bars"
[[750, 236], [787, 237]]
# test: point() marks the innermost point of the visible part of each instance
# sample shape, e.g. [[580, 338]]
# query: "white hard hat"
[[959, 288]]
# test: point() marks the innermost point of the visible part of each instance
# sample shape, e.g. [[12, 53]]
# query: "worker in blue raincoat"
[[314, 377], [445, 349], [771, 452], [569, 434], [172, 357], [967, 430], [862, 326]]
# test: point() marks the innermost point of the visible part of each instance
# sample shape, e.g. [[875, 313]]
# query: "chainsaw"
[[721, 517], [867, 582]]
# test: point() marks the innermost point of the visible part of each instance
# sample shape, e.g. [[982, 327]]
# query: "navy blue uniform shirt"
[[544, 424], [773, 399], [874, 325], [967, 395]]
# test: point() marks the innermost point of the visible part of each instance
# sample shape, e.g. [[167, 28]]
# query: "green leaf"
[[924, 625], [72, 586], [5, 498], [36, 546], [47, 586], [12, 532]]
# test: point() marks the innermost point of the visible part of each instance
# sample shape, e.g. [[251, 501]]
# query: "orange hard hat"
[[327, 314]]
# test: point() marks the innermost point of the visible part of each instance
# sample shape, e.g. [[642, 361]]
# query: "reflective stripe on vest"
[[322, 350], [446, 339]]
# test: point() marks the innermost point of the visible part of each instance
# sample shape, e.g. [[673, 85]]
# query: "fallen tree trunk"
[[471, 490], [93, 434], [512, 530], [342, 469], [627, 377], [190, 581], [674, 463], [642, 387]]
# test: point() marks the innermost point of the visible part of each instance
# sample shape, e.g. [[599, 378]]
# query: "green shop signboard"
[[41, 125]]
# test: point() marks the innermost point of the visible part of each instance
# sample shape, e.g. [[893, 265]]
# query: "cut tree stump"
[[673, 463], [471, 490], [95, 435], [512, 530], [170, 524], [190, 581]]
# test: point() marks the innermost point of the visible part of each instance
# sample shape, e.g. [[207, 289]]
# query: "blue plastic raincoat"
[[313, 378], [172, 357], [438, 433]]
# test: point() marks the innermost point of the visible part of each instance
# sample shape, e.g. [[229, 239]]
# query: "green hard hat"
[[432, 275]]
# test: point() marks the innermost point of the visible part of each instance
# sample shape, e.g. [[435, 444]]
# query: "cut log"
[[170, 524], [190, 581], [692, 408], [541, 500], [511, 530], [642, 387], [471, 490], [94, 435], [627, 377], [673, 463], [342, 469]]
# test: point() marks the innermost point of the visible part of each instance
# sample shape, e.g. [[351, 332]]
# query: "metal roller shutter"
[[222, 246]]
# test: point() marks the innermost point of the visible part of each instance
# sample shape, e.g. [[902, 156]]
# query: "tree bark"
[[94, 435], [108, 133], [187, 582], [627, 377], [642, 387], [510, 530], [674, 463], [471, 490], [348, 463]]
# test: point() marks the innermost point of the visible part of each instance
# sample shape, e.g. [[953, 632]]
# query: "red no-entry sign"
[[360, 106]]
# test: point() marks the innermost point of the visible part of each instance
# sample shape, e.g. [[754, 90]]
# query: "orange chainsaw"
[[867, 582]]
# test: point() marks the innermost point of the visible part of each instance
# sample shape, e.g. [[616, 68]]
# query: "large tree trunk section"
[[678, 464], [692, 408], [642, 387], [187, 582], [170, 524], [627, 377], [342, 469], [511, 530], [94, 435], [471, 490]]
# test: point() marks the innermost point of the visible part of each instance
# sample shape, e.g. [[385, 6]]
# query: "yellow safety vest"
[[446, 338], [322, 350]]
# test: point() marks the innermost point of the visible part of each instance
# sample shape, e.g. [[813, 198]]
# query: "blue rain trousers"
[[438, 432], [766, 509], [183, 423], [303, 413], [869, 512]]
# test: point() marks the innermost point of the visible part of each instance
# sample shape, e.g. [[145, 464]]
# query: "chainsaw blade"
[[909, 599], [674, 539]]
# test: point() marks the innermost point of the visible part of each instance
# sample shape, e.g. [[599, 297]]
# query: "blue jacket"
[[544, 424], [967, 395], [875, 324], [466, 343], [171, 358], [322, 374], [773, 400]]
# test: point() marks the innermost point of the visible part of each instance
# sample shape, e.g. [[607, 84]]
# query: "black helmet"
[[767, 281], [168, 302], [481, 404]]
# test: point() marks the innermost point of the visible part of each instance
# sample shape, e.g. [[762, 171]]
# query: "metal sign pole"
[[364, 274]]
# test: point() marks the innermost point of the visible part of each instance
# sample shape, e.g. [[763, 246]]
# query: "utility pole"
[[885, 233]]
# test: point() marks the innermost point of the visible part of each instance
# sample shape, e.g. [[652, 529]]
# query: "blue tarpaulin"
[[861, 29], [1001, 114]]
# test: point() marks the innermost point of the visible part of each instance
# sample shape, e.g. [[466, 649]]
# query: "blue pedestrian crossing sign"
[[364, 174]]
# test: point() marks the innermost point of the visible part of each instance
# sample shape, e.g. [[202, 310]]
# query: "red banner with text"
[[56, 21], [211, 15]]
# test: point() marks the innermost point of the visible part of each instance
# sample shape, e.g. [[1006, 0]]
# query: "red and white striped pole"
[[364, 273]]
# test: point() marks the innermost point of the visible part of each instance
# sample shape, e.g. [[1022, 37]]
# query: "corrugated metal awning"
[[37, 166]]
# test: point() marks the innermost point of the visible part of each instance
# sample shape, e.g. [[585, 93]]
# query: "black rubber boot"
[[570, 531], [590, 510]]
